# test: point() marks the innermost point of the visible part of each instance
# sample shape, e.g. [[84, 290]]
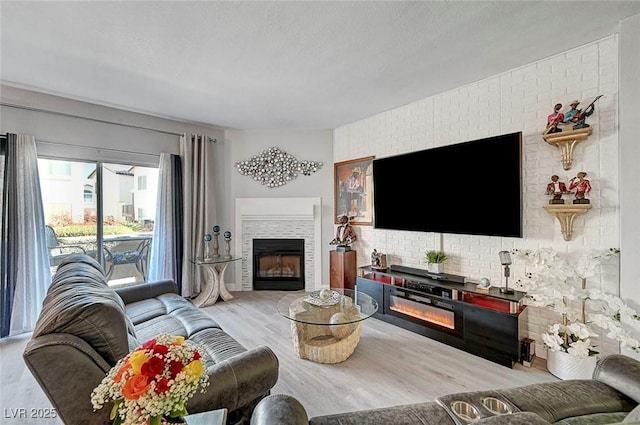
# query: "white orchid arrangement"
[[555, 283]]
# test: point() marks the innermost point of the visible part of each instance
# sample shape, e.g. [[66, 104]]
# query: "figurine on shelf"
[[554, 119], [582, 188], [579, 116], [345, 235], [378, 260], [557, 189]]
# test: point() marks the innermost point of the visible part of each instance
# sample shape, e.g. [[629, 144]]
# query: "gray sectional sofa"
[[85, 327], [610, 397]]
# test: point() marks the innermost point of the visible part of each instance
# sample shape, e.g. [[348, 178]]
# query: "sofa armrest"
[[238, 381], [143, 291], [281, 409], [620, 372], [68, 369]]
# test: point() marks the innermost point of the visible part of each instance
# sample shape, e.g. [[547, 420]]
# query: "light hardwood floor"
[[390, 366]]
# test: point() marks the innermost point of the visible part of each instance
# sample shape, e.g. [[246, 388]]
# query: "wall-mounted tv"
[[472, 188]]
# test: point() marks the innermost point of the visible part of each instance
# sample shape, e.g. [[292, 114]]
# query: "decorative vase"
[[565, 366], [435, 267]]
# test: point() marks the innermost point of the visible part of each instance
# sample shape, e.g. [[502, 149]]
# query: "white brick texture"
[[518, 100]]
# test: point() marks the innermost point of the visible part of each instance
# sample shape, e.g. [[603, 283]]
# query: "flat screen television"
[[471, 188]]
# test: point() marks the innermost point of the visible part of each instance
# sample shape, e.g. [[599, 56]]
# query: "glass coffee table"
[[325, 324]]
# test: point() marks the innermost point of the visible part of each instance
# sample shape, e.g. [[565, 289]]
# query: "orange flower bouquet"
[[154, 381]]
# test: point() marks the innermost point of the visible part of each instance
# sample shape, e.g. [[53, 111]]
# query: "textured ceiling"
[[278, 65]]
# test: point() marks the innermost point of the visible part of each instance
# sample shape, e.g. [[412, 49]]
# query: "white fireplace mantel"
[[279, 218]]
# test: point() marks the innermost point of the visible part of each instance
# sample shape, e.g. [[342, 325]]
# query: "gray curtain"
[[196, 152], [24, 266], [165, 258]]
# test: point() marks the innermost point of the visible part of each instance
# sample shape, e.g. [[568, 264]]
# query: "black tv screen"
[[472, 188]]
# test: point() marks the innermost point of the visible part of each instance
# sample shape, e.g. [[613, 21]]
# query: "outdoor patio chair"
[[124, 253], [59, 251]]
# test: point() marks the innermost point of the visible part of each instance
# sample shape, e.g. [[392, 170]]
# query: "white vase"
[[565, 366], [435, 267]]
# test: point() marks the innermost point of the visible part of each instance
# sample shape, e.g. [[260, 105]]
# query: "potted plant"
[[435, 260], [555, 283]]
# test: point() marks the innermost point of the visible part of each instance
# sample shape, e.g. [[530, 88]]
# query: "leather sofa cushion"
[[167, 303], [594, 419], [620, 372], [79, 302], [218, 345], [555, 401], [173, 314], [518, 418], [409, 414]]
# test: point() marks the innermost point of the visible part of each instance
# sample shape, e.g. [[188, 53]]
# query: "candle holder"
[[207, 247], [216, 246], [227, 239]]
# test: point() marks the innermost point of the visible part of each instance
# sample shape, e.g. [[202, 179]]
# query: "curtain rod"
[[63, 114], [153, 155]]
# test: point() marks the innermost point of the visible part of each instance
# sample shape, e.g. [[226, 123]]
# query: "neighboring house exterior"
[[145, 193], [69, 191], [66, 190]]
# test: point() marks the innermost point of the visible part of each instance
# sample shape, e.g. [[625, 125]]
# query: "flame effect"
[[424, 312]]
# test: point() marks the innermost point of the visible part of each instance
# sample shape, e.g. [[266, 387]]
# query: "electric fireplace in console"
[[278, 264], [448, 309]]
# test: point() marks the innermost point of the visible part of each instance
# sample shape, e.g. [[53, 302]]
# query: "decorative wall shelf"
[[566, 213], [565, 141]]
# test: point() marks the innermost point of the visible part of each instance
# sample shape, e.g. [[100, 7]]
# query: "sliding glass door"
[[105, 210]]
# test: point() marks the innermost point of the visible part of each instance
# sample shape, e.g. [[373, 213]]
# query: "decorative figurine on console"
[[484, 285], [557, 189], [378, 260], [345, 235], [582, 188]]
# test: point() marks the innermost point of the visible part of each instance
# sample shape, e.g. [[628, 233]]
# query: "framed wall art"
[[353, 190]]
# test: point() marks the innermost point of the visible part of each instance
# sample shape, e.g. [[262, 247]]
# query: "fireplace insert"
[[425, 305], [278, 264]]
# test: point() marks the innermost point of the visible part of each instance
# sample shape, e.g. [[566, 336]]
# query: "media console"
[[448, 309]]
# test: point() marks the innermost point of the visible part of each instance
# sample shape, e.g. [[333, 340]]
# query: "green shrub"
[[90, 230]]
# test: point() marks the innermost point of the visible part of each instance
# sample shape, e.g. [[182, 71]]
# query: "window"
[[54, 168], [88, 193], [142, 182], [72, 204]]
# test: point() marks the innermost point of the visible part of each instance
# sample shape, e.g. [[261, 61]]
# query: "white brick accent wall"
[[518, 100]]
